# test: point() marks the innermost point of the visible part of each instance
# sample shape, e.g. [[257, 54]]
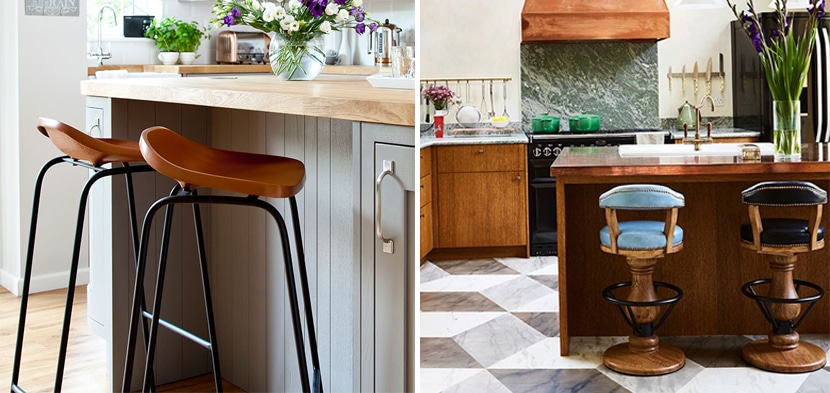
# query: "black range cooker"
[[543, 148]]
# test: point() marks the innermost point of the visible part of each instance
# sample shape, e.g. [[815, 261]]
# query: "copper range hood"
[[546, 21]]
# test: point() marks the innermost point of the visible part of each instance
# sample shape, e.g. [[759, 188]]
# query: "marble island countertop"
[[455, 135], [338, 97]]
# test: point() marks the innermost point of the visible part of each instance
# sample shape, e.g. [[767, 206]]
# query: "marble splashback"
[[617, 81]]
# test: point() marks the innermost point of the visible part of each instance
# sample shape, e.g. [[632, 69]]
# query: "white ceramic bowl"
[[501, 124]]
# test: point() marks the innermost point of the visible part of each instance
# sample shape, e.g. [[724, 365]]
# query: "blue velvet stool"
[[642, 242], [781, 298]]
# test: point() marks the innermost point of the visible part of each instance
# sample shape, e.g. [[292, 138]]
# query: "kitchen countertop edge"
[[428, 140]]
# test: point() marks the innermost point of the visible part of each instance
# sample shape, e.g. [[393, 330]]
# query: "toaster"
[[242, 47]]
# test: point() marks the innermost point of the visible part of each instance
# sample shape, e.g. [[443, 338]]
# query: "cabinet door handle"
[[94, 126], [423, 216], [480, 151], [388, 169], [519, 177]]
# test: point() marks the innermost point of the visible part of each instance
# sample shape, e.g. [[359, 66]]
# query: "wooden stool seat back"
[[80, 146], [195, 165]]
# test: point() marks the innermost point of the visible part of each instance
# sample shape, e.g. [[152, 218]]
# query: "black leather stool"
[[781, 239]]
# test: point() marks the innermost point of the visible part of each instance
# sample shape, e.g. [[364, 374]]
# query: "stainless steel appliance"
[[542, 151], [382, 40], [242, 48]]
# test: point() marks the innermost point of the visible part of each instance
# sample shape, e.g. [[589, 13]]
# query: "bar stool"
[[642, 243], [91, 153], [780, 239], [193, 165]]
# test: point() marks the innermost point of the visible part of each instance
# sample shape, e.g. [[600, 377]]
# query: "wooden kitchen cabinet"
[[481, 196], [426, 203]]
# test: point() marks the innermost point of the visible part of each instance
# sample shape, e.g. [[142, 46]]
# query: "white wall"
[[48, 64], [9, 179], [470, 38]]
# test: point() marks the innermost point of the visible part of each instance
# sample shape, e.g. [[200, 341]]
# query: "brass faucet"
[[697, 139], [100, 54]]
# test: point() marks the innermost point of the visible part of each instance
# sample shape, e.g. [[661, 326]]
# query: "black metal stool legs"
[[317, 383], [190, 197], [73, 271]]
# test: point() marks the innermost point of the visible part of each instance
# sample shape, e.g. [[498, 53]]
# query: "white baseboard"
[[43, 282]]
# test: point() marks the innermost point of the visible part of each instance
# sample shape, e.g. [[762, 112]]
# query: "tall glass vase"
[[296, 60], [786, 126]]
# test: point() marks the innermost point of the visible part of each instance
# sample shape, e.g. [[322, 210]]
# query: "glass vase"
[[301, 61], [786, 128]]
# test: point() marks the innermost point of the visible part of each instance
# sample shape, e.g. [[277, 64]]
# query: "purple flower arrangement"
[[439, 95], [296, 22]]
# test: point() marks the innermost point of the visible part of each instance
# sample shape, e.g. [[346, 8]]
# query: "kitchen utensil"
[[694, 78], [501, 121], [722, 73], [483, 107], [467, 116], [683, 81], [669, 76], [545, 123], [584, 123], [709, 77], [492, 112], [504, 97], [686, 115]]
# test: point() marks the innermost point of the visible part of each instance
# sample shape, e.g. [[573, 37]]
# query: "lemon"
[[500, 118]]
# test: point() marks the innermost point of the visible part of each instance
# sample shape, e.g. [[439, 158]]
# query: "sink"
[[710, 149]]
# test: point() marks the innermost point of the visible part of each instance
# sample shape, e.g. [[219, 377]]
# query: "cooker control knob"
[[547, 151], [556, 151], [537, 152]]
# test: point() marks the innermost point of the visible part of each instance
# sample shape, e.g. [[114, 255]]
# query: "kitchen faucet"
[[100, 54], [698, 117]]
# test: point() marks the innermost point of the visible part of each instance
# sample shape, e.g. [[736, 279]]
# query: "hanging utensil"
[[504, 97], [669, 76], [492, 112], [683, 80], [709, 77], [467, 116], [694, 78], [483, 108], [722, 74]]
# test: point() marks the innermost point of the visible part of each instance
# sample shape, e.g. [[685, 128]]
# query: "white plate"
[[386, 81]]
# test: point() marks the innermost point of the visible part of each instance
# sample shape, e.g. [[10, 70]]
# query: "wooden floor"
[[86, 359]]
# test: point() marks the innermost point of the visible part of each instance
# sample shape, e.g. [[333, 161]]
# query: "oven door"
[[542, 208]]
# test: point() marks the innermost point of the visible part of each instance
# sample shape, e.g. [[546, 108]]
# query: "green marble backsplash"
[[617, 81]]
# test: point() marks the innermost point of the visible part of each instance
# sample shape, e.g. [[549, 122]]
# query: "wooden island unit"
[[712, 266]]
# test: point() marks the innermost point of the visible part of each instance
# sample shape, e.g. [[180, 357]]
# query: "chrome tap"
[[100, 54], [698, 117]]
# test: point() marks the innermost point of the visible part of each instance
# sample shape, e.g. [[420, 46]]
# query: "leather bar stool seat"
[[85, 151], [193, 166], [783, 301], [647, 303]]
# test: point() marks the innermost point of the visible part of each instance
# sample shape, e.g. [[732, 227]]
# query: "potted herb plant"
[[189, 37], [163, 34]]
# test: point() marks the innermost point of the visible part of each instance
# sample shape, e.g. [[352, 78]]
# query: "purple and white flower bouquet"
[[295, 22]]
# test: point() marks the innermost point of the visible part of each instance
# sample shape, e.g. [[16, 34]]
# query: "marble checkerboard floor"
[[492, 325]]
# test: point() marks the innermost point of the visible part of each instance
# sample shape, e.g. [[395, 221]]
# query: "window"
[[122, 7]]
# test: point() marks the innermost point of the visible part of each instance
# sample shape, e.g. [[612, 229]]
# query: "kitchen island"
[[344, 131], [712, 266]]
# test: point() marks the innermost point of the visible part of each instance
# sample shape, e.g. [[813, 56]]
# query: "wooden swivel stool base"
[[642, 242], [780, 239]]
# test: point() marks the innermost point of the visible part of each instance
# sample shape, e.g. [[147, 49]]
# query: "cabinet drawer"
[[481, 158], [426, 189], [426, 229], [426, 161]]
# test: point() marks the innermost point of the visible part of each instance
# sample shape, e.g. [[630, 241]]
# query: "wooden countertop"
[[233, 69], [340, 97], [606, 162]]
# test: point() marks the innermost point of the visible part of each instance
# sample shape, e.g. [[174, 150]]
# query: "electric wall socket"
[[720, 101]]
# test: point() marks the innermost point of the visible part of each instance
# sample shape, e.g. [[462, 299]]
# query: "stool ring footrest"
[[625, 306], [783, 327]]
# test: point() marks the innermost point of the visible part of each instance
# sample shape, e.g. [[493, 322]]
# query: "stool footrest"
[[643, 329], [788, 326], [17, 389], [180, 331]]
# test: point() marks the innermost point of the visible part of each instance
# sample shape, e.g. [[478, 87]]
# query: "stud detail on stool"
[[648, 302], [781, 239]]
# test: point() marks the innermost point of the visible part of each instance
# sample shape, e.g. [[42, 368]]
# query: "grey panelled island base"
[[712, 267], [344, 131]]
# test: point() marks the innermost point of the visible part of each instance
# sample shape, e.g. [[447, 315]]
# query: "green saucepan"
[[584, 123], [545, 123]]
